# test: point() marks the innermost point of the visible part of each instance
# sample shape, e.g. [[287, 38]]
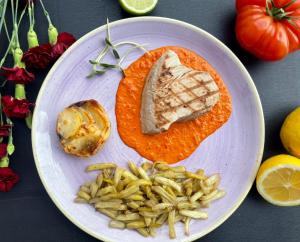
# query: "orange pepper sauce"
[[182, 138]]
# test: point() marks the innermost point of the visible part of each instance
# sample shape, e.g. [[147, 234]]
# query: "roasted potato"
[[83, 128]]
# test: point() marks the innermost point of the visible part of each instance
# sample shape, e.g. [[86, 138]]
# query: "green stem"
[[32, 39], [4, 162], [30, 17], [12, 10], [16, 36], [21, 16], [20, 91], [16, 13], [6, 30], [10, 145], [46, 13], [3, 14], [33, 17], [28, 120], [52, 34]]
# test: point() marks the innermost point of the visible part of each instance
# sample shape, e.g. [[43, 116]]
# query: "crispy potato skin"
[[92, 132]]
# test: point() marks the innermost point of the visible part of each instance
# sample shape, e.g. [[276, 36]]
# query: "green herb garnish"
[[99, 68]]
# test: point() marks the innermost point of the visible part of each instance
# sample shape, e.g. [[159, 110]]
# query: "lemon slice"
[[278, 180], [138, 7]]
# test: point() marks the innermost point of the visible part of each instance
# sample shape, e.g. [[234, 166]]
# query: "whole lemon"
[[290, 133]]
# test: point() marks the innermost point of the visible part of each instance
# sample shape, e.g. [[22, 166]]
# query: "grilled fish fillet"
[[174, 93]]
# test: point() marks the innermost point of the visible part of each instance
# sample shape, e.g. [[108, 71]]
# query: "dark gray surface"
[[28, 214]]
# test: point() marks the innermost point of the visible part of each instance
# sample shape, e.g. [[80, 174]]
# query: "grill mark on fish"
[[189, 102]]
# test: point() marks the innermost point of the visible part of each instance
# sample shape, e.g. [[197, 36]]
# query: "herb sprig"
[[99, 67]]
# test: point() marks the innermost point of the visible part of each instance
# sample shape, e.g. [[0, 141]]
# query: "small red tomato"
[[269, 29]]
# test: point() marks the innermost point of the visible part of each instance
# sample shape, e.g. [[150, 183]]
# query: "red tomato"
[[269, 31]]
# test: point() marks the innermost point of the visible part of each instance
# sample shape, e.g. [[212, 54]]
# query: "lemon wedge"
[[290, 133], [278, 180], [138, 7]]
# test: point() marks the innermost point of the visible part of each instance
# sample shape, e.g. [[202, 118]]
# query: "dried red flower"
[[38, 57], [64, 41], [15, 108], [4, 130], [17, 75], [3, 150], [8, 178]]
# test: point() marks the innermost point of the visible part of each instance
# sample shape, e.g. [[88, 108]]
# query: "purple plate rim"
[[228, 52]]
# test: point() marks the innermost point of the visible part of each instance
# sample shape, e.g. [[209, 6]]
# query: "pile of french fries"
[[146, 197]]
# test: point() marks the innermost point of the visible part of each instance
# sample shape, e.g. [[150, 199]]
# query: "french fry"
[[189, 174], [85, 189], [120, 186], [194, 214], [196, 196], [108, 204], [148, 221], [136, 224], [150, 214], [150, 203], [128, 174], [144, 198], [184, 205], [179, 169], [152, 231], [168, 182], [135, 197], [145, 209], [209, 196], [109, 196], [128, 191], [162, 206], [143, 232], [84, 195], [161, 166], [128, 217], [205, 189], [171, 223], [160, 191], [143, 174], [117, 224], [147, 166], [94, 200], [133, 168], [133, 205], [187, 226], [182, 199], [106, 190], [94, 188], [162, 219], [210, 181], [117, 176], [99, 180], [121, 207], [100, 166], [108, 181], [140, 182], [219, 195], [110, 213], [107, 173]]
